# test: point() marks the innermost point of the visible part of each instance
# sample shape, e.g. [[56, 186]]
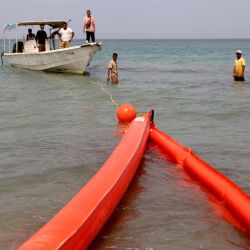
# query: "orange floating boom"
[[235, 199], [79, 222]]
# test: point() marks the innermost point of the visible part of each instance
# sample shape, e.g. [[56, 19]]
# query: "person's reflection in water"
[[240, 86]]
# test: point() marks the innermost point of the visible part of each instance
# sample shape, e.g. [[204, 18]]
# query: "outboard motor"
[[19, 48], [2, 57]]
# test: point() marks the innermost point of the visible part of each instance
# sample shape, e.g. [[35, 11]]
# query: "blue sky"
[[151, 19]]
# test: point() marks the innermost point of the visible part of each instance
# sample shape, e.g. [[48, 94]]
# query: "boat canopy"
[[52, 23]]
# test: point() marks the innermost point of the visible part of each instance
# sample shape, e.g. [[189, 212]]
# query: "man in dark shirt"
[[41, 37]]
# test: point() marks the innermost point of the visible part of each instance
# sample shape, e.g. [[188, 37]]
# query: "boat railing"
[[7, 29]]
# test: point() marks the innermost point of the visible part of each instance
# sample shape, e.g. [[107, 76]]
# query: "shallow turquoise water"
[[56, 131]]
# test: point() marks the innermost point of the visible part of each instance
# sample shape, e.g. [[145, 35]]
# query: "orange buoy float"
[[77, 224], [126, 112], [234, 199]]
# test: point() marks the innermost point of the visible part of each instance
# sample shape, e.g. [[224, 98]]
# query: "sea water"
[[56, 131]]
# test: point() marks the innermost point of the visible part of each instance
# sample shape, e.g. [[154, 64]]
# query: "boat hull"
[[70, 60], [79, 222]]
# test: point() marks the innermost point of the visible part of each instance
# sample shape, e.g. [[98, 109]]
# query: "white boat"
[[25, 54]]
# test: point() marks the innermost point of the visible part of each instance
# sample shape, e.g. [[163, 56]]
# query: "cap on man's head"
[[238, 51]]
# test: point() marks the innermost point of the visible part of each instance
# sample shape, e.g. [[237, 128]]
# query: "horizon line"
[[216, 38]]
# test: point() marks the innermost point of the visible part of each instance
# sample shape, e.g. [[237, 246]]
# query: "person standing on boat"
[[30, 35], [66, 35], [89, 26], [41, 37], [239, 67], [113, 70]]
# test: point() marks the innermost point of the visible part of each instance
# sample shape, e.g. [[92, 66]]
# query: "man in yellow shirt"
[[239, 67]]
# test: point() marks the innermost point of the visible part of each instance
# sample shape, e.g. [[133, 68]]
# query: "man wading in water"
[[239, 67], [112, 70]]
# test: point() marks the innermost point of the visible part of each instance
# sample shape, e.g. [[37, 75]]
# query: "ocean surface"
[[56, 131]]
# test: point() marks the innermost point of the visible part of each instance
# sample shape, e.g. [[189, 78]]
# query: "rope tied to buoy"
[[125, 112], [107, 92], [110, 95]]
